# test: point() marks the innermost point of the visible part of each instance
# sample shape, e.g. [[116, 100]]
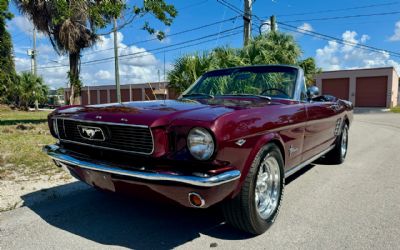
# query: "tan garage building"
[[372, 87]]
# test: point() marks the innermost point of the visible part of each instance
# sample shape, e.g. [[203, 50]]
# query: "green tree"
[[29, 89], [187, 69], [7, 68], [225, 57], [73, 25], [310, 70], [272, 48]]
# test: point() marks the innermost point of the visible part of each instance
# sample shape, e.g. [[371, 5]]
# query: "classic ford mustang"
[[231, 138]]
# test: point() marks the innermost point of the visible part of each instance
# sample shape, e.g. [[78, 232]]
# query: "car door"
[[319, 134]]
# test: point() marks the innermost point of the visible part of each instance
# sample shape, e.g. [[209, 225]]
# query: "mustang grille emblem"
[[91, 133]]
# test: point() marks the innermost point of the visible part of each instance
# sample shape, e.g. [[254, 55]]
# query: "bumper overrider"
[[188, 190]]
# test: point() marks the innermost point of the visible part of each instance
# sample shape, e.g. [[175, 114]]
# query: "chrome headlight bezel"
[[200, 143], [55, 127]]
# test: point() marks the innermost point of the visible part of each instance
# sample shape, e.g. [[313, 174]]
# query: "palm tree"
[[310, 69], [72, 25], [31, 88], [225, 57], [65, 23], [187, 69], [272, 48]]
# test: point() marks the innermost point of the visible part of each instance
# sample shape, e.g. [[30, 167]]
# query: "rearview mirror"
[[313, 92]]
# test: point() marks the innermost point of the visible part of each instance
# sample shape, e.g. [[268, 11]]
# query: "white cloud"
[[335, 56], [23, 24], [136, 64], [350, 38], [305, 27], [365, 38], [326, 57], [103, 75], [266, 26], [396, 35]]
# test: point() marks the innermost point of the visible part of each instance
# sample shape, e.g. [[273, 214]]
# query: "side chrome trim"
[[61, 156], [106, 123], [307, 162]]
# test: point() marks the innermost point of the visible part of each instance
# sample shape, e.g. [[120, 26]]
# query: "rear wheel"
[[338, 154], [255, 208]]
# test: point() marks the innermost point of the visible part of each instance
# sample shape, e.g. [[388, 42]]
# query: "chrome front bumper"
[[62, 156]]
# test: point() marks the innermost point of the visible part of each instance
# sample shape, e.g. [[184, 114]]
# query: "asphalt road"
[[355, 205]]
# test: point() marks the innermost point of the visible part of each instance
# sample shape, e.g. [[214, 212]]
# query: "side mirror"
[[312, 92]]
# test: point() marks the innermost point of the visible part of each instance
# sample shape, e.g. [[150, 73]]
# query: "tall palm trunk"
[[74, 81]]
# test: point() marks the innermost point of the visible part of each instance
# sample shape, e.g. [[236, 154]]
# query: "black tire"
[[241, 211], [336, 156]]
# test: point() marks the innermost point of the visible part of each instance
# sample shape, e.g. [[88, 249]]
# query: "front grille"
[[130, 138]]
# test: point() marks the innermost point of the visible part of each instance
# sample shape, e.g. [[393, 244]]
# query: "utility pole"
[[272, 21], [118, 87], [33, 53], [164, 66], [247, 21]]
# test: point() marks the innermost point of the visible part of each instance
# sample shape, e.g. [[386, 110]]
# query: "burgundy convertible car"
[[231, 138]]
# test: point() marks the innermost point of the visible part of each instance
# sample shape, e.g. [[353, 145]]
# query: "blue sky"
[[381, 29]]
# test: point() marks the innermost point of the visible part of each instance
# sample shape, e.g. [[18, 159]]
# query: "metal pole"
[[34, 52], [34, 62], [272, 21], [247, 21], [118, 87], [164, 66]]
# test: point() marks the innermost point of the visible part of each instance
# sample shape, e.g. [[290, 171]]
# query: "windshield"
[[278, 82]]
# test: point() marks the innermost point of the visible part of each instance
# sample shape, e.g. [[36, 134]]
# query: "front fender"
[[271, 137]]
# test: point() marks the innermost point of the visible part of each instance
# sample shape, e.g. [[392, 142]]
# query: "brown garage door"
[[371, 91], [338, 87]]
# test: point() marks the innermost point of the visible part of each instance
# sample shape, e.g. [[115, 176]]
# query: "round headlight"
[[200, 143]]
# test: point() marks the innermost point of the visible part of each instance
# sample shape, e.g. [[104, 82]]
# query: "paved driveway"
[[355, 205]]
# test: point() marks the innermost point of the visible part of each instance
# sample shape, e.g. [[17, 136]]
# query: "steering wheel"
[[271, 89]]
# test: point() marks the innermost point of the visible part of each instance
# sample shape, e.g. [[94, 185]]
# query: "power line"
[[341, 41], [167, 46], [338, 10], [159, 52], [173, 34], [231, 6], [194, 4], [128, 56], [342, 17]]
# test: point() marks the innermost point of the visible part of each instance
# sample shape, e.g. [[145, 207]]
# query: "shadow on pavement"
[[125, 221]]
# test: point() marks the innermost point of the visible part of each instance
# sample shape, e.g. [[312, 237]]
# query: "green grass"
[[13, 117], [22, 136], [395, 109]]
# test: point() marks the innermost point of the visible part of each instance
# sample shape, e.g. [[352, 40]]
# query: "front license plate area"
[[101, 180]]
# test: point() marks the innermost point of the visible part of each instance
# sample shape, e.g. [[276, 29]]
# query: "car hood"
[[151, 113]]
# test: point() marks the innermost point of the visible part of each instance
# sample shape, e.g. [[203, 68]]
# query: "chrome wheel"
[[267, 190], [343, 148]]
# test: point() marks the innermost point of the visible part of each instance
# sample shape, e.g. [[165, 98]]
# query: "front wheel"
[[338, 154], [255, 208]]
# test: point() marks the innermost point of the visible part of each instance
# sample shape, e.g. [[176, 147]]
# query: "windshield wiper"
[[198, 95], [259, 96]]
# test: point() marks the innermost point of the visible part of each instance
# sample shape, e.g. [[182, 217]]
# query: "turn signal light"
[[196, 200]]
